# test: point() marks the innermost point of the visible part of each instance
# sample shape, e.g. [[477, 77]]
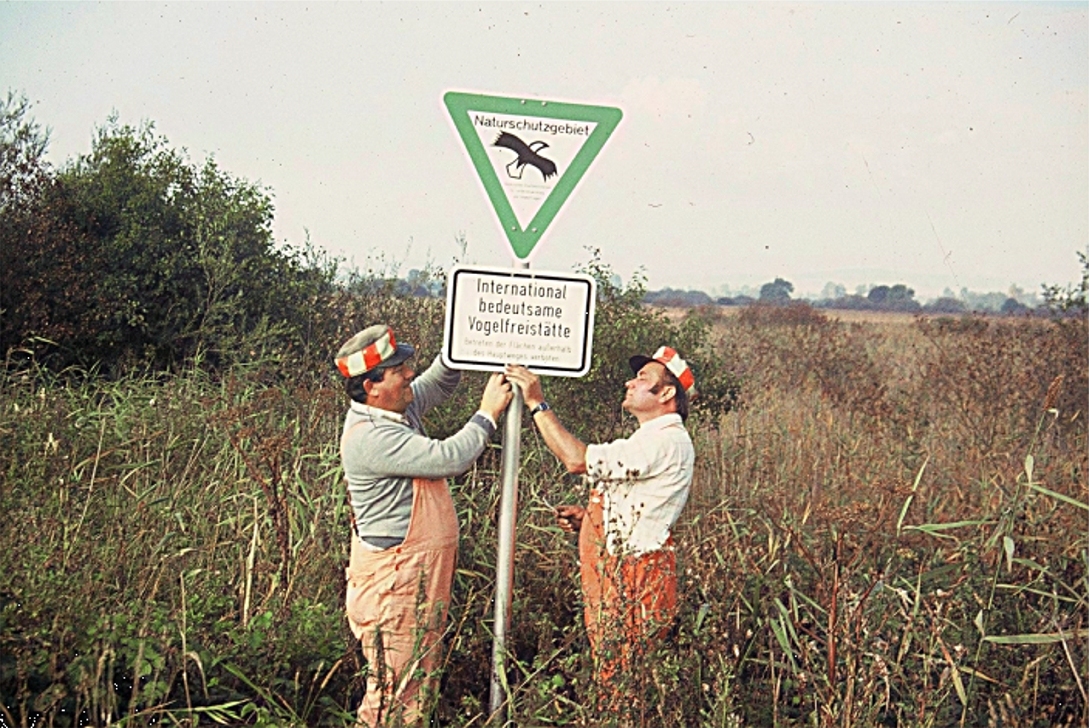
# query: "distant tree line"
[[1056, 300]]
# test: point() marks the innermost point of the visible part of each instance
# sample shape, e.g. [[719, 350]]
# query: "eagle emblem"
[[527, 154]]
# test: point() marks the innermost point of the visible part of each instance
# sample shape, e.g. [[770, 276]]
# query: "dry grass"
[[889, 530]]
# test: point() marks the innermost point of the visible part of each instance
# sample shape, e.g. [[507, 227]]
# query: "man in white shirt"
[[639, 485]]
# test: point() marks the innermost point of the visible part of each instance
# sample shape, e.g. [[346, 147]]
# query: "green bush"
[[133, 256]]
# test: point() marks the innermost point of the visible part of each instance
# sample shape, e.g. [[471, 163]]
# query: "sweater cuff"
[[485, 421]]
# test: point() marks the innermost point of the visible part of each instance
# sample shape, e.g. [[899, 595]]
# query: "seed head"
[[1053, 390]]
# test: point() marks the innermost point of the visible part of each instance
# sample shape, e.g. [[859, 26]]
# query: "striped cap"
[[671, 360], [372, 348]]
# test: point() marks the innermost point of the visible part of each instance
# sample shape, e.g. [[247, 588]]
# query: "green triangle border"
[[460, 104]]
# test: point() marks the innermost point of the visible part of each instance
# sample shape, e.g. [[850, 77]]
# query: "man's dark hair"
[[354, 385], [681, 396]]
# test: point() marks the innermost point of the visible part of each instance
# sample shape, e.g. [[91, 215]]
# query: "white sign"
[[500, 316]]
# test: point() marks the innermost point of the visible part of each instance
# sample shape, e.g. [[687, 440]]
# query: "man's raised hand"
[[496, 397]]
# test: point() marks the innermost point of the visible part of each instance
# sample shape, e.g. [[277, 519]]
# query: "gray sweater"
[[387, 451]]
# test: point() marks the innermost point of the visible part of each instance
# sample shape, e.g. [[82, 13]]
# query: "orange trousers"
[[630, 601], [397, 603]]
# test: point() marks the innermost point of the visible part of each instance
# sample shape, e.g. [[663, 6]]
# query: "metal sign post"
[[504, 564], [504, 567]]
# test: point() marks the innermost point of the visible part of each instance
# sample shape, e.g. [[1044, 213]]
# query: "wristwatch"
[[542, 407]]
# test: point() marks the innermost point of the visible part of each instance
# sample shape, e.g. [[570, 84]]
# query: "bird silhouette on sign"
[[527, 154]]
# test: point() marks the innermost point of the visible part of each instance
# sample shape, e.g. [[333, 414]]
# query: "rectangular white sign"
[[499, 316]]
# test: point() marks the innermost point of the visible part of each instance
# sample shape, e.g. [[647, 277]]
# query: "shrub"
[[133, 255]]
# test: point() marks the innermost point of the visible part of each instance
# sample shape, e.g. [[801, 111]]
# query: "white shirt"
[[645, 481]]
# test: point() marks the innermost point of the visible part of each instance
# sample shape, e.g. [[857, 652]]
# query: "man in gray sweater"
[[404, 528]]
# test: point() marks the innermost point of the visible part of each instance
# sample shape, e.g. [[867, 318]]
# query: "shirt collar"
[[366, 409], [662, 421]]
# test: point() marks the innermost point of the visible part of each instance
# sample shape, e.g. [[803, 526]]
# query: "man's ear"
[[367, 386], [668, 392]]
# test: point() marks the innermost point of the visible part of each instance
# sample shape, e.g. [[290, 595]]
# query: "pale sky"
[[938, 145]]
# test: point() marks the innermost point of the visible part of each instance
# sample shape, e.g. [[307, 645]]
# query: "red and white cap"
[[372, 348], [671, 360]]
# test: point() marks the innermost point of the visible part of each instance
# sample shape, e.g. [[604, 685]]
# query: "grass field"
[[888, 529]]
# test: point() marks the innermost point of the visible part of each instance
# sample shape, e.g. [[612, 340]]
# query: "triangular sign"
[[529, 154]]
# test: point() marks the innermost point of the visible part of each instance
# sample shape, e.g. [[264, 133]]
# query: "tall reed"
[[887, 528]]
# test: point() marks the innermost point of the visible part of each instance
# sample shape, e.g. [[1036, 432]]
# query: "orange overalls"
[[397, 602], [630, 601]]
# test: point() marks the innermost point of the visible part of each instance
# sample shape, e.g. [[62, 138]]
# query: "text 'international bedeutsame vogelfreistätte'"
[[523, 309]]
